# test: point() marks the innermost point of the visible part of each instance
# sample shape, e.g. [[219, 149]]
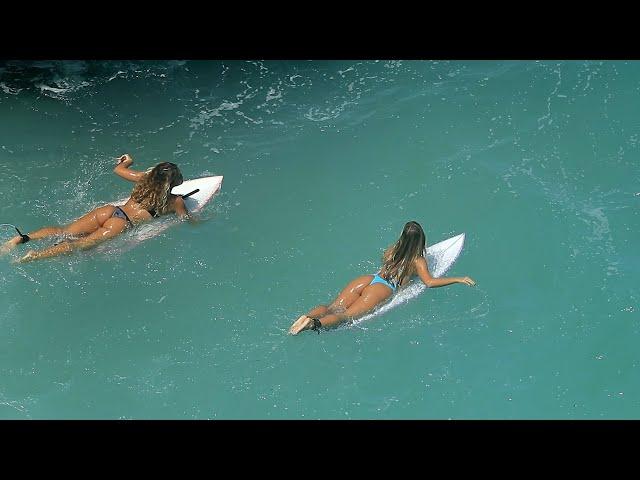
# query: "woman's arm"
[[122, 169], [181, 209], [422, 270]]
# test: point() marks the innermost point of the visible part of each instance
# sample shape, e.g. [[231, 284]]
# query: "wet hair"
[[154, 190], [399, 259]]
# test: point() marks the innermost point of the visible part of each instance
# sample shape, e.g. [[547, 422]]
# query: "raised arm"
[[122, 169], [422, 270]]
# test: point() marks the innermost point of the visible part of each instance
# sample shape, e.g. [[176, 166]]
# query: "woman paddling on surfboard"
[[151, 197], [400, 262]]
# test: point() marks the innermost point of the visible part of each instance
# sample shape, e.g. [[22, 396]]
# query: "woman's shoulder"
[[419, 263]]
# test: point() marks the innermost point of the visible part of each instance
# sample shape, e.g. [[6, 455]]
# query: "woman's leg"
[[86, 224], [110, 228], [345, 299], [371, 296], [318, 311], [349, 294]]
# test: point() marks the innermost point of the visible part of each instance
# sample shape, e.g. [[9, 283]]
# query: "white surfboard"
[[205, 189], [440, 257]]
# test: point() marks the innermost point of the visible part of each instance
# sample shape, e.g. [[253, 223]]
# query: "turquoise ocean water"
[[324, 162]]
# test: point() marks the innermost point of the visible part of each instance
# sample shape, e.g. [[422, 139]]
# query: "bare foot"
[[10, 245], [302, 323], [29, 256]]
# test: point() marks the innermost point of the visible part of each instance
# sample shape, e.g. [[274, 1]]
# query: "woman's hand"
[[122, 169], [125, 160], [467, 281]]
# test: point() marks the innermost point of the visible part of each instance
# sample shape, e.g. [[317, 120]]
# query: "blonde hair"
[[398, 261], [154, 190]]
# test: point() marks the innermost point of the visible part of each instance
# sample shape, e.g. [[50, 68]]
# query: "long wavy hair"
[[154, 190], [399, 259]]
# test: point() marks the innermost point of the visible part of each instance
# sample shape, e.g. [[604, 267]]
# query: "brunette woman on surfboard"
[[151, 197], [400, 262]]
